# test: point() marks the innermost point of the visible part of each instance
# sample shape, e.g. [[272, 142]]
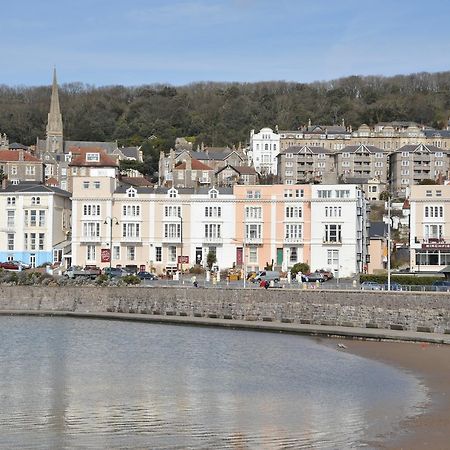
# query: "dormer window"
[[131, 192], [213, 193], [173, 193], [93, 157]]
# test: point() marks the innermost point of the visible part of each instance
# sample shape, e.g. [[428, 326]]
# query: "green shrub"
[[131, 279], [299, 267], [197, 269], [410, 280], [101, 279]]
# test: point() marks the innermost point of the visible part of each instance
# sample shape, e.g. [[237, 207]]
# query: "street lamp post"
[[389, 246], [181, 241], [111, 221], [244, 262]]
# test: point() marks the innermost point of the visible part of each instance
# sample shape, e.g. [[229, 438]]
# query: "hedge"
[[409, 280]]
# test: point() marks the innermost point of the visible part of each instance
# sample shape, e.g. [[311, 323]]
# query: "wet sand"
[[431, 364]]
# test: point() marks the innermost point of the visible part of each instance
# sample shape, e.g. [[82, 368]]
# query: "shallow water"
[[72, 383]]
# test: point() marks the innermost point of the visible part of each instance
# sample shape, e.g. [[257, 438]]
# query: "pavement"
[[269, 326]]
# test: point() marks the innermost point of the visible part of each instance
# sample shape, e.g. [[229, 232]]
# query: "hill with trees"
[[221, 113]]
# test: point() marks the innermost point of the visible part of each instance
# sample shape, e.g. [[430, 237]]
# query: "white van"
[[267, 275]]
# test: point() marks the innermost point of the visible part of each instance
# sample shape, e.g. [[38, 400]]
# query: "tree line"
[[220, 114]]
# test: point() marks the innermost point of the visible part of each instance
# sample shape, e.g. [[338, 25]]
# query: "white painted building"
[[338, 229], [264, 148], [34, 224]]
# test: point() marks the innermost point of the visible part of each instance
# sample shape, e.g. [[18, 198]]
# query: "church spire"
[[54, 121]]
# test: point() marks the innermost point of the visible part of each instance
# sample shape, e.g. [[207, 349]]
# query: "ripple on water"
[[67, 383]]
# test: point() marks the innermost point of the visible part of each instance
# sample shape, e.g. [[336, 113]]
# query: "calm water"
[[71, 383]]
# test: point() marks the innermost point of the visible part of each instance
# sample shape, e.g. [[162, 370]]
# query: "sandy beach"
[[429, 362]]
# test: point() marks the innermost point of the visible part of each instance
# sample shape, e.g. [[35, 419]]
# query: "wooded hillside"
[[222, 113]]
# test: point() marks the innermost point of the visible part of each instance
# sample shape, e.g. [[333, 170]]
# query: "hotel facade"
[[429, 228], [162, 229]]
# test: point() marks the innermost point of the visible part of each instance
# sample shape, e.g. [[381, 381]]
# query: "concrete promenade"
[[276, 327]]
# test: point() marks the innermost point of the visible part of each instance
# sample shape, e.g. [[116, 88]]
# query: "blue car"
[[441, 285], [370, 286], [394, 286]]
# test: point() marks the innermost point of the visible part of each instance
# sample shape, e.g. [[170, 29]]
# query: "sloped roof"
[[80, 158], [35, 188], [241, 170], [17, 146], [354, 148], [130, 152], [420, 147], [377, 229], [52, 181], [108, 146], [13, 155], [297, 149], [136, 181], [195, 165]]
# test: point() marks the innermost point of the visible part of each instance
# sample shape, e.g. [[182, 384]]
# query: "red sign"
[[106, 255], [183, 260]]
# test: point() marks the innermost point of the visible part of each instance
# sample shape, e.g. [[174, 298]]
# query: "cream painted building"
[[430, 227]]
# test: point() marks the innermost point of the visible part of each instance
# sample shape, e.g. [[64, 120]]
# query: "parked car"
[[441, 285], [21, 264], [370, 286], [304, 278], [114, 272], [327, 274], [394, 286], [89, 271], [147, 276], [10, 265], [316, 276], [267, 275]]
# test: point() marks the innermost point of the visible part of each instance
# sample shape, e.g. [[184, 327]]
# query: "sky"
[[135, 42]]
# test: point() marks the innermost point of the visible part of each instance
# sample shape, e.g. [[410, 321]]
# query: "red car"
[[9, 265]]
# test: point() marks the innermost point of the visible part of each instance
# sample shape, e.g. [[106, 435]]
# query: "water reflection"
[[68, 383]]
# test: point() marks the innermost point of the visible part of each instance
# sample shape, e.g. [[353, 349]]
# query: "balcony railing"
[[131, 239], [212, 240], [90, 239], [293, 240], [171, 239], [328, 242], [253, 240]]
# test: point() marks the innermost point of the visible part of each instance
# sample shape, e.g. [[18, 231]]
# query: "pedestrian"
[[194, 281]]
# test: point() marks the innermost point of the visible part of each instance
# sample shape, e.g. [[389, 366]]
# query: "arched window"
[[131, 192]]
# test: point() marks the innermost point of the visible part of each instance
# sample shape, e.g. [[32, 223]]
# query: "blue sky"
[[133, 42]]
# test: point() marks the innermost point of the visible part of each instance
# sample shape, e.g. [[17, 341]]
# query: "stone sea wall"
[[423, 312]]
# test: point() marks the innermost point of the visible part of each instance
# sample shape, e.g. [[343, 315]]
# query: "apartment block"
[[305, 164], [412, 164]]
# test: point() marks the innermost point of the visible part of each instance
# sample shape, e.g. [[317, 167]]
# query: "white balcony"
[[328, 242], [131, 239], [171, 240], [90, 239], [212, 240], [293, 240], [253, 240]]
